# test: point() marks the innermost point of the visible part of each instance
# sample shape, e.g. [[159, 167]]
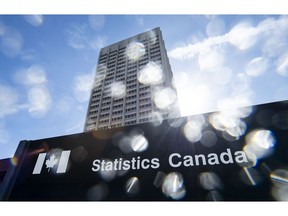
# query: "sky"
[[47, 65]]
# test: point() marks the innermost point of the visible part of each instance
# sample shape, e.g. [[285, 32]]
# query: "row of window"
[[117, 119], [105, 109], [145, 106], [130, 122], [116, 125], [131, 109]]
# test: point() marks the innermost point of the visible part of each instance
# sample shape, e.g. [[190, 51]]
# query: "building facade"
[[133, 84]]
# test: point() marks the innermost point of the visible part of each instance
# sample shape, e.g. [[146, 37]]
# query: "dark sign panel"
[[231, 155]]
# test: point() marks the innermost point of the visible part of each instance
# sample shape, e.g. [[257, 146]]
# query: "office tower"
[[133, 84]]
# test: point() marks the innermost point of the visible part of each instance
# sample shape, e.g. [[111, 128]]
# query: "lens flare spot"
[[214, 196], [282, 65], [139, 143], [250, 176], [125, 145], [151, 74], [279, 190], [118, 90], [132, 186], [210, 181], [230, 122], [193, 128], [208, 138], [157, 118], [158, 181], [135, 51], [164, 98], [14, 161], [257, 66], [251, 156], [98, 192], [109, 173], [260, 143], [79, 154], [176, 122], [173, 186]]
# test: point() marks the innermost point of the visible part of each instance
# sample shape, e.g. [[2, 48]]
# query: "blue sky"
[[47, 64]]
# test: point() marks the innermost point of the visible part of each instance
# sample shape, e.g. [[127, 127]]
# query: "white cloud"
[[8, 101], [11, 42], [39, 101], [82, 86], [34, 20], [210, 59], [79, 36], [242, 36], [4, 135], [282, 65], [222, 76], [39, 98], [140, 20], [189, 51], [215, 27], [96, 22], [257, 66], [97, 42], [275, 40], [33, 75], [76, 36]]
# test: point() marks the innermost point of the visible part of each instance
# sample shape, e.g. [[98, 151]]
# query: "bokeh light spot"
[[98, 192], [173, 186], [163, 98], [279, 190], [139, 143], [132, 186], [210, 181], [135, 51], [151, 74], [250, 176], [118, 90], [193, 128], [208, 138], [260, 143], [108, 174]]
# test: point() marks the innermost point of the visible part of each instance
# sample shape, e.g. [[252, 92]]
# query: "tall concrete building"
[[133, 84]]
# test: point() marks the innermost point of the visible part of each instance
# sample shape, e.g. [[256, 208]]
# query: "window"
[[131, 103], [119, 118], [131, 97], [117, 112], [105, 109], [104, 121], [148, 100], [104, 115], [119, 106], [132, 86], [132, 91], [130, 109], [145, 106], [144, 120], [130, 122], [118, 100]]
